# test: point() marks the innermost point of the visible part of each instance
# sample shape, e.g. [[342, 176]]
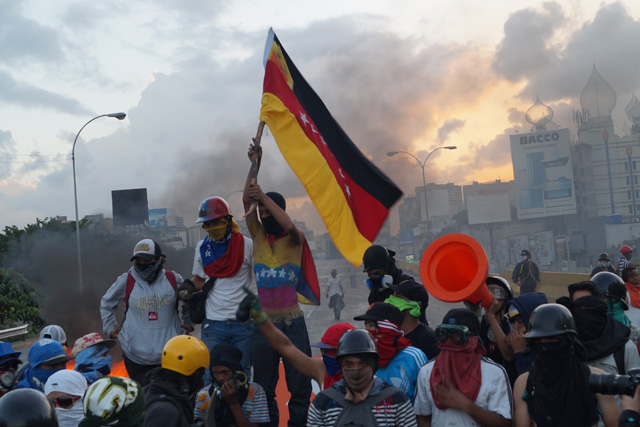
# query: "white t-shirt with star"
[[227, 293]]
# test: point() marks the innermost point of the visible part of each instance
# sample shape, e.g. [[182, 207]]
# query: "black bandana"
[[600, 334], [557, 392], [271, 226], [148, 272]]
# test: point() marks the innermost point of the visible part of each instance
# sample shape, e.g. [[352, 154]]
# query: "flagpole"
[[255, 165]]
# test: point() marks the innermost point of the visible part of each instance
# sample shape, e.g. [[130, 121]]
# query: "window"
[[635, 179], [626, 166], [628, 180], [630, 209], [634, 165], [637, 194], [628, 194]]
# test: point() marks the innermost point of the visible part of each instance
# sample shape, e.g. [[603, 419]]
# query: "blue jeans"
[[238, 334], [265, 372]]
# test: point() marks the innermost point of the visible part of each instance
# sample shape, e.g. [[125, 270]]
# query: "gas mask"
[[381, 281]]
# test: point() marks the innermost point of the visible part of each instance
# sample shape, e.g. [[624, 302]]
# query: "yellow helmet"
[[185, 354]]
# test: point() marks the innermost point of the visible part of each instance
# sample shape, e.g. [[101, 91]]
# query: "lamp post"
[[424, 181], [119, 116]]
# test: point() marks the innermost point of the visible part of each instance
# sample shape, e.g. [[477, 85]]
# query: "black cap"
[[382, 311], [226, 355], [464, 317], [414, 291], [375, 257]]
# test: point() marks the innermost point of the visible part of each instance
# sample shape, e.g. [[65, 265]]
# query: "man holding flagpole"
[[282, 269]]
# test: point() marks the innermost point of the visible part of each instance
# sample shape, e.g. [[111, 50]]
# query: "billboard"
[[130, 207], [543, 174], [488, 208], [162, 218]]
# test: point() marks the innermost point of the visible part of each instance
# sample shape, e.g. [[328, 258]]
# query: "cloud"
[[448, 127], [26, 95], [23, 39]]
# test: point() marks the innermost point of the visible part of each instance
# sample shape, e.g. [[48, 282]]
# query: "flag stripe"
[[368, 212], [311, 167], [353, 162]]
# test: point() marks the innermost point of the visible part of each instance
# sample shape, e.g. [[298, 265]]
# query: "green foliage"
[[13, 235], [18, 300]]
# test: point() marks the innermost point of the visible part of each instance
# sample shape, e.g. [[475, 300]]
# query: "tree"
[[18, 300]]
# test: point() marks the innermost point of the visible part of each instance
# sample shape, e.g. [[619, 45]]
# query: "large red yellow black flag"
[[352, 196]]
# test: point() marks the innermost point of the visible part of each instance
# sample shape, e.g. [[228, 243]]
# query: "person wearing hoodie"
[[151, 310], [171, 389], [520, 311], [65, 390]]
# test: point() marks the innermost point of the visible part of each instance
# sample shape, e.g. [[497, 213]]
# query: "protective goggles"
[[497, 292], [459, 334], [65, 402]]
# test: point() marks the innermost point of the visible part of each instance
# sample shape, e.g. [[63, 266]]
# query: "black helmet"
[[603, 256], [611, 286], [26, 407], [499, 281], [375, 257], [605, 280], [525, 253], [354, 342], [550, 320]]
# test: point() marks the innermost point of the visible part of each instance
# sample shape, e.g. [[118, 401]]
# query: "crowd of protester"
[[519, 361]]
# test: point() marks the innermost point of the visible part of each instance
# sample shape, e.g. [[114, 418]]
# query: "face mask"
[[42, 375], [95, 367], [403, 305], [524, 257], [218, 232], [271, 226], [589, 322], [604, 264], [627, 255], [7, 379], [330, 364], [378, 281], [358, 379], [148, 272], [71, 416]]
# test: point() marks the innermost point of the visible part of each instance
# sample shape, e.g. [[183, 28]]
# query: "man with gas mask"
[[361, 398], [222, 265], [151, 311], [526, 274], [380, 265], [231, 400], [285, 275]]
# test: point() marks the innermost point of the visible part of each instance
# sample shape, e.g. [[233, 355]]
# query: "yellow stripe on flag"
[[316, 176]]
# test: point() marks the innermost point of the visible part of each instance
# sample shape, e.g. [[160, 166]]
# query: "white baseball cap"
[[147, 249], [66, 381], [54, 332]]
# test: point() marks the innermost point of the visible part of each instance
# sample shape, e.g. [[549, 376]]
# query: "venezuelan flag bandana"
[[223, 258]]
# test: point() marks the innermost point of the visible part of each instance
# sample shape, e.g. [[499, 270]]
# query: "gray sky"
[[409, 75]]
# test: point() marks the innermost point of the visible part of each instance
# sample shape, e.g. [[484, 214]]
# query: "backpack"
[[197, 305], [359, 414], [131, 281]]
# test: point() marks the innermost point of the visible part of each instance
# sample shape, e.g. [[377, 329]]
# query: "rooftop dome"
[[633, 109], [539, 114], [598, 97]]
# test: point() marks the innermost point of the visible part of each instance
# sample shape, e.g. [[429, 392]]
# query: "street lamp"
[[424, 181], [119, 116]]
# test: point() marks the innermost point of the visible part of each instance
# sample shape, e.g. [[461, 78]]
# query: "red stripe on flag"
[[368, 212]]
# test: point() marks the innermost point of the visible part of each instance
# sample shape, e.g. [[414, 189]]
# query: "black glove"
[[185, 291]]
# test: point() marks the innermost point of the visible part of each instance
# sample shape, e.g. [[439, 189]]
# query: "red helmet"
[[212, 208], [625, 249]]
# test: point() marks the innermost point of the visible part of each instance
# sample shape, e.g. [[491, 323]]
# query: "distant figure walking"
[[335, 293], [352, 275], [526, 274]]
